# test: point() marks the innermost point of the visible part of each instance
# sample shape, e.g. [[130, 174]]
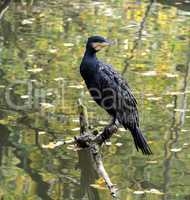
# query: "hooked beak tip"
[[107, 43]]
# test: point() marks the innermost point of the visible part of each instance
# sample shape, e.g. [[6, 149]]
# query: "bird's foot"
[[106, 134]]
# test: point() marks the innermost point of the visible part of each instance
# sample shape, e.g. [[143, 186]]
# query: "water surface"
[[41, 45]]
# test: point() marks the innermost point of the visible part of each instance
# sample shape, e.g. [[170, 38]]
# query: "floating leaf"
[[117, 135], [59, 79], [47, 105], [69, 19], [131, 25], [24, 96], [139, 192], [118, 144], [169, 105], [76, 86], [149, 73], [103, 122], [98, 3], [185, 130], [108, 12], [27, 21], [35, 70], [41, 132], [53, 50], [52, 145], [91, 101], [174, 93], [176, 149], [150, 142], [171, 75], [152, 161], [68, 44], [154, 98], [76, 129], [33, 80], [70, 147], [154, 191], [49, 94], [181, 110], [179, 3], [75, 120], [108, 143]]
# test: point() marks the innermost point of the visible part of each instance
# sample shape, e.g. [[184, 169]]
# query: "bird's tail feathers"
[[140, 141]]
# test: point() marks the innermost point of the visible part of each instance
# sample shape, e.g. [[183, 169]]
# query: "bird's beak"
[[105, 44], [99, 45]]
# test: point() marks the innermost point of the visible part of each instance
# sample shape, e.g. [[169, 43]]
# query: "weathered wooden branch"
[[88, 137], [92, 137], [93, 141]]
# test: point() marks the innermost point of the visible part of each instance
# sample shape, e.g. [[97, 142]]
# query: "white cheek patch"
[[97, 46]]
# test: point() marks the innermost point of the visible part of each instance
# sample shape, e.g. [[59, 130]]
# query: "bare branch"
[[94, 142]]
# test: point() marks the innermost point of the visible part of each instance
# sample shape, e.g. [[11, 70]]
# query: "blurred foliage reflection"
[[41, 45]]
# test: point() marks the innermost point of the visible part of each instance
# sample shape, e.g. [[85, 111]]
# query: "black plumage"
[[111, 91]]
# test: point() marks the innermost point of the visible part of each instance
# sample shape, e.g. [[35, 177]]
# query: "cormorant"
[[111, 91]]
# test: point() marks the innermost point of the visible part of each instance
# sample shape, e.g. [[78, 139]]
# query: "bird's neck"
[[89, 64], [90, 54], [89, 59]]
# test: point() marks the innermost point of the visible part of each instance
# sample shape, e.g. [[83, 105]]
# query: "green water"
[[41, 45]]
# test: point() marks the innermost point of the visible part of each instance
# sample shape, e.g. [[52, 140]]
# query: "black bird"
[[111, 91]]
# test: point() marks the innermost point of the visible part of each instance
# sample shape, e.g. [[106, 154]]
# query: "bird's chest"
[[90, 75]]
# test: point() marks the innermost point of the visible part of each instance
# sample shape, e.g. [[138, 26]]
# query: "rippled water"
[[41, 45]]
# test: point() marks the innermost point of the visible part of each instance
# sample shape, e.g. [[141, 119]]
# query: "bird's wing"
[[125, 103]]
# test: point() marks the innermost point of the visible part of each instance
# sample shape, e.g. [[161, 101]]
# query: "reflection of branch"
[[88, 175], [167, 154], [24, 120], [184, 100], [139, 36], [4, 7], [173, 136], [42, 186]]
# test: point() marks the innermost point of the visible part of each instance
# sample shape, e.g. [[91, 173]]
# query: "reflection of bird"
[[111, 92]]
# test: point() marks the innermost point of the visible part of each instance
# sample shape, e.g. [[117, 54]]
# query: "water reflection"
[[173, 136], [4, 135], [42, 42], [88, 176], [183, 5]]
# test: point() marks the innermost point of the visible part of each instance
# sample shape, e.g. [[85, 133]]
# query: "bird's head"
[[96, 43]]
